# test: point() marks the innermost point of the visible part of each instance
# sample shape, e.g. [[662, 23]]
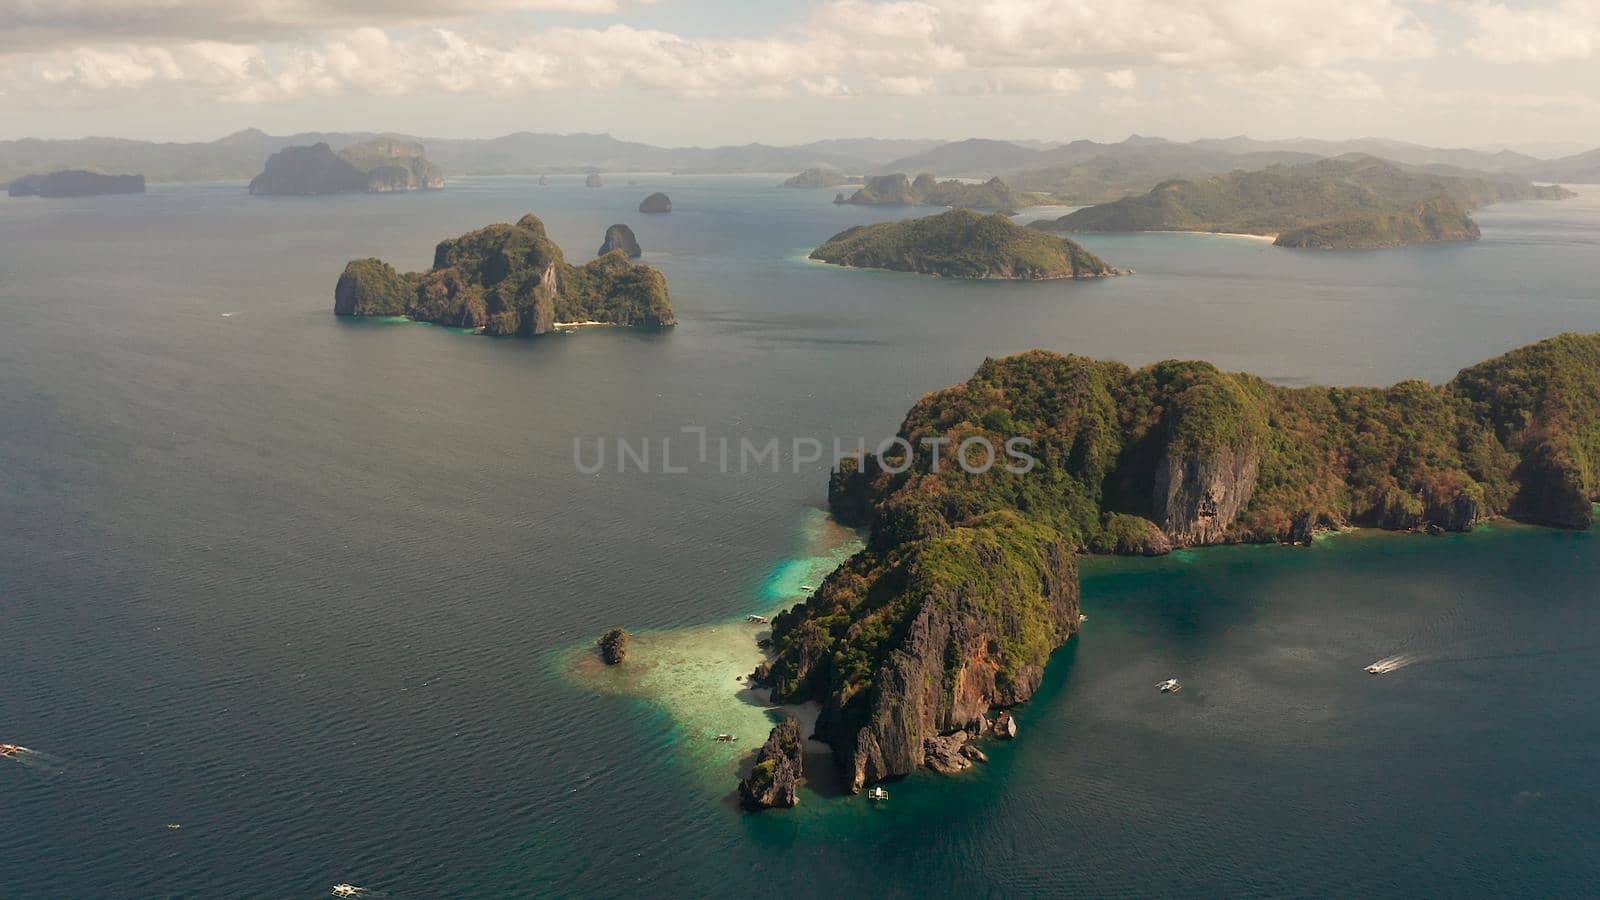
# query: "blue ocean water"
[[302, 585]]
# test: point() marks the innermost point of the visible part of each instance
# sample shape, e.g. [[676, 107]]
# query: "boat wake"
[[33, 759], [1393, 663]]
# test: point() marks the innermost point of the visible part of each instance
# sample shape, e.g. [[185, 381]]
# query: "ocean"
[[318, 591]]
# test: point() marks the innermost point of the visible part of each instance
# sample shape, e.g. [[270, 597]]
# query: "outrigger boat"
[[1170, 686], [726, 738], [11, 749], [347, 890], [759, 620], [877, 793]]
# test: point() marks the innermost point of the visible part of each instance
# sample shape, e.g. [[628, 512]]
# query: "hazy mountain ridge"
[[1074, 170], [240, 155]]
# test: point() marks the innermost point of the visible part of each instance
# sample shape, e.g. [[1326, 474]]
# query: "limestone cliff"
[[379, 166], [968, 583], [508, 280], [775, 778], [620, 237]]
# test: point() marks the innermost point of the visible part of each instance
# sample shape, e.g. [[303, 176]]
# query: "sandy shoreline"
[[1232, 234]]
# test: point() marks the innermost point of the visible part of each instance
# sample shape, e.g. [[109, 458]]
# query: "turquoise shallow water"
[[305, 586]]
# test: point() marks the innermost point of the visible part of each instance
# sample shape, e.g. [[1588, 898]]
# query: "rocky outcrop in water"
[[818, 177], [778, 771], [968, 584], [656, 203], [620, 237], [508, 280], [946, 754], [613, 646], [983, 610], [75, 183], [380, 166]]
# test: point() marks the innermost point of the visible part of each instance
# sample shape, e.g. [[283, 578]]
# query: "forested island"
[[924, 190], [508, 280], [75, 183], [1434, 220], [963, 244], [380, 166], [1332, 203], [968, 582]]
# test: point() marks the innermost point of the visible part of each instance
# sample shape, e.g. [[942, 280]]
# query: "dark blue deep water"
[[309, 588]]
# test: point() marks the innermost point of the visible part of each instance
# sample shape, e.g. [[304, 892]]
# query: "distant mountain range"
[[241, 155], [1086, 170]]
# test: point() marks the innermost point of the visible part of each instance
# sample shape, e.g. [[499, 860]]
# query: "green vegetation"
[[1352, 199], [1438, 219], [1140, 461], [898, 190], [508, 280], [962, 244]]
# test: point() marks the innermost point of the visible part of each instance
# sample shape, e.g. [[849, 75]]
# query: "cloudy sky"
[[1523, 73]]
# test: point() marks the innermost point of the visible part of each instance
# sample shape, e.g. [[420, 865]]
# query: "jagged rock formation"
[[384, 165], [75, 183], [656, 203], [594, 180], [613, 646], [508, 280], [948, 754], [776, 777], [393, 164], [963, 244], [968, 581], [620, 237], [898, 190]]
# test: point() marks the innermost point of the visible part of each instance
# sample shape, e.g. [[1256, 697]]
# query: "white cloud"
[[41, 23], [1564, 31], [1122, 79]]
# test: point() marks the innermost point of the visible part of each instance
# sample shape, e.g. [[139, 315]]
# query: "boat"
[[759, 620], [877, 793], [347, 890], [11, 749], [807, 588], [725, 738], [1170, 686], [1375, 669]]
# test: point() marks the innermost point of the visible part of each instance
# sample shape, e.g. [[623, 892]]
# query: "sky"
[[1480, 73]]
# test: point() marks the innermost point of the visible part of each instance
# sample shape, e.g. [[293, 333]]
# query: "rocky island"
[[75, 183], [898, 190], [620, 237], [656, 203], [775, 779], [817, 177], [963, 244], [968, 582], [379, 166], [508, 280], [1345, 203]]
